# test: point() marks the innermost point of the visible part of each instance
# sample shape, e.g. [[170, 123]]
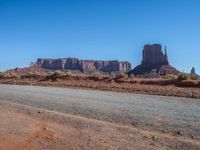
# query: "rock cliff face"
[[153, 55], [86, 66], [154, 62]]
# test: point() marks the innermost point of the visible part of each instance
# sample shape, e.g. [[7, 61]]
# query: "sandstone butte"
[[154, 62]]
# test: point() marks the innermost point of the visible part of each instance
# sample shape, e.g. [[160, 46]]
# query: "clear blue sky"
[[98, 29]]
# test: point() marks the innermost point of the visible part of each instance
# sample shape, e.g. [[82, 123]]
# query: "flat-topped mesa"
[[61, 64], [85, 66], [105, 66], [153, 55]]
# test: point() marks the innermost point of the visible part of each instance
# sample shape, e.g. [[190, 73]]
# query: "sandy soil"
[[33, 129]]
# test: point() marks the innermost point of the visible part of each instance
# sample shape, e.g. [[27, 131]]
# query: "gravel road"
[[180, 116]]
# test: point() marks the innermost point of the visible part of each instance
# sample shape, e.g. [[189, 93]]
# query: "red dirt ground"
[[26, 129]]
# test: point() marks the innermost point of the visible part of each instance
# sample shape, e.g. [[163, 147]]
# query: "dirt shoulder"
[[37, 129], [180, 86], [189, 89]]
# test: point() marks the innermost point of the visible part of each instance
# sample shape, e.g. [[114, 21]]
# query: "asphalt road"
[[179, 116]]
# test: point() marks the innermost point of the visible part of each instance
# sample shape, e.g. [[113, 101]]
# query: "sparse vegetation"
[[183, 76], [9, 76], [181, 85], [170, 77], [122, 76]]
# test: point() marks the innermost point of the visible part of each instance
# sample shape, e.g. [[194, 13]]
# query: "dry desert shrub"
[[170, 77], [2, 75], [9, 76], [54, 76], [33, 75], [95, 77], [61, 75], [183, 76], [121, 78], [15, 76]]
